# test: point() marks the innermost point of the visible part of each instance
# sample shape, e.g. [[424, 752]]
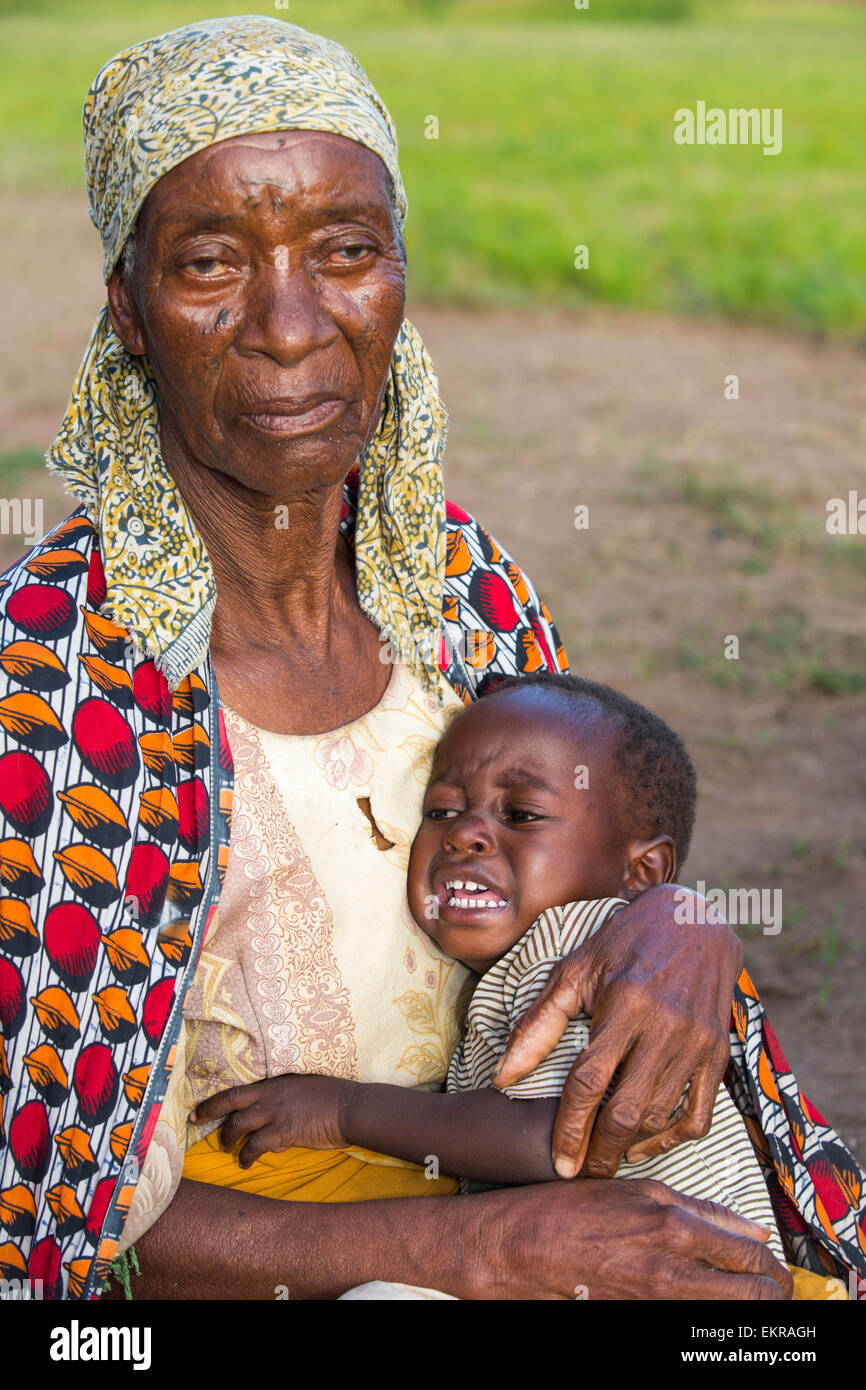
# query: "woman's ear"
[[649, 862], [123, 313]]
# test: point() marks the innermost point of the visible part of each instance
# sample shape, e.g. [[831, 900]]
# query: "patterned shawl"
[[150, 108]]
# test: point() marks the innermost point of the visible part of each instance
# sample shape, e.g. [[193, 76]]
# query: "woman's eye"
[[206, 266], [522, 817], [350, 254]]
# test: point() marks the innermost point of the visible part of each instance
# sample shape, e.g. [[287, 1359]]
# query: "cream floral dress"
[[313, 962]]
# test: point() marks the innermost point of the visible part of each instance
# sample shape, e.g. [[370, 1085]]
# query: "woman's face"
[[267, 293]]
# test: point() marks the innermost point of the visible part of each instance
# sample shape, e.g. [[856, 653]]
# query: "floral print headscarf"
[[150, 108]]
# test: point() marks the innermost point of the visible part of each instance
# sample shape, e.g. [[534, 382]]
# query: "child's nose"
[[469, 832]]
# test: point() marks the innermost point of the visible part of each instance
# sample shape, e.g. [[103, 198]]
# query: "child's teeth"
[[454, 901]]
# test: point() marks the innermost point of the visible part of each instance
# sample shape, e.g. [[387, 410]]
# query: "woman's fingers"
[[706, 1233], [713, 1212], [541, 1027], [685, 1282], [582, 1094], [622, 1120], [695, 1117], [659, 1114], [742, 1255]]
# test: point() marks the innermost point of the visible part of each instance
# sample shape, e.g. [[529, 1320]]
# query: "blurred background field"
[[555, 130], [601, 387]]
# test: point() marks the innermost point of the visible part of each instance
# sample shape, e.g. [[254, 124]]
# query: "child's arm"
[[472, 1134]]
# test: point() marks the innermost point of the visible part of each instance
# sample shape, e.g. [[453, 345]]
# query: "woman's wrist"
[[481, 1248], [439, 1243]]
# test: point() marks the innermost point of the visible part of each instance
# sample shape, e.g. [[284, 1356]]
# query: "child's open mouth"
[[466, 894]]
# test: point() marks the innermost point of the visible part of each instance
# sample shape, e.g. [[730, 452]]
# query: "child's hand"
[[279, 1113]]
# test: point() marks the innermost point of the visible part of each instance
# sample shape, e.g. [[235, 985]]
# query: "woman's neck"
[[286, 562]]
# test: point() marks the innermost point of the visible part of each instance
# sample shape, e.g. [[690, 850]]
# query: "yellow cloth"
[[810, 1288], [314, 1175]]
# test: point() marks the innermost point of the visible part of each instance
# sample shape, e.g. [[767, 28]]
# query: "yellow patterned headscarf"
[[150, 108]]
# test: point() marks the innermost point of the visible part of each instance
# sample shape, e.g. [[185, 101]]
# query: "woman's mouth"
[[288, 421]]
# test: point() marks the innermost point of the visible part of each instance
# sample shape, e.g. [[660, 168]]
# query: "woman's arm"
[[610, 1240], [659, 992], [214, 1242]]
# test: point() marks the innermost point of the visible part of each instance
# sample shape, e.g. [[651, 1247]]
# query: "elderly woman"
[[226, 673]]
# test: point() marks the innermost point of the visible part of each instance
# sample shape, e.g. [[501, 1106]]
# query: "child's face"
[[509, 808]]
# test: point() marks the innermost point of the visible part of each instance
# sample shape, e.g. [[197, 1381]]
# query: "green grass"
[[786, 653], [15, 462], [555, 129], [728, 503], [829, 958], [764, 522]]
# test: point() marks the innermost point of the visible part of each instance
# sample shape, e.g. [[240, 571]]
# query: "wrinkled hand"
[[659, 993], [634, 1239], [279, 1113]]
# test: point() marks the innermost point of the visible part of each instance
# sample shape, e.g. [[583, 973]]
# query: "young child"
[[552, 802]]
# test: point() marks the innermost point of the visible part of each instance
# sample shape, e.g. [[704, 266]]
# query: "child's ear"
[[649, 862]]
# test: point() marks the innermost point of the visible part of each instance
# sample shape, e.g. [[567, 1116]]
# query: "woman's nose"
[[469, 833], [284, 317]]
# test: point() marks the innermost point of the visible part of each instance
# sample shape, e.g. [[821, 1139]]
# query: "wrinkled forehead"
[[319, 175], [156, 104]]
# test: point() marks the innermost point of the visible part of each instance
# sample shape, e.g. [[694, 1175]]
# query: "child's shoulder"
[[555, 933], [559, 930]]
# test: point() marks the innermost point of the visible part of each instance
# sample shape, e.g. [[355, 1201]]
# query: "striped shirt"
[[721, 1167]]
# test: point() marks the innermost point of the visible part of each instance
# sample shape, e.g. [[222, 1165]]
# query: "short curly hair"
[[657, 789]]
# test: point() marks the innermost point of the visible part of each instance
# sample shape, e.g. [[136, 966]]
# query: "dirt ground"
[[706, 522]]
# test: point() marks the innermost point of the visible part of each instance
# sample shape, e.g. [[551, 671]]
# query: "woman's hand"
[[659, 994], [620, 1239], [279, 1113]]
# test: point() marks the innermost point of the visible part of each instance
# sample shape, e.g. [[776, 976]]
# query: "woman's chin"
[[281, 469]]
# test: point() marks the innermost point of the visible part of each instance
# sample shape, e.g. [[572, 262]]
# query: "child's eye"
[[521, 817], [439, 813]]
